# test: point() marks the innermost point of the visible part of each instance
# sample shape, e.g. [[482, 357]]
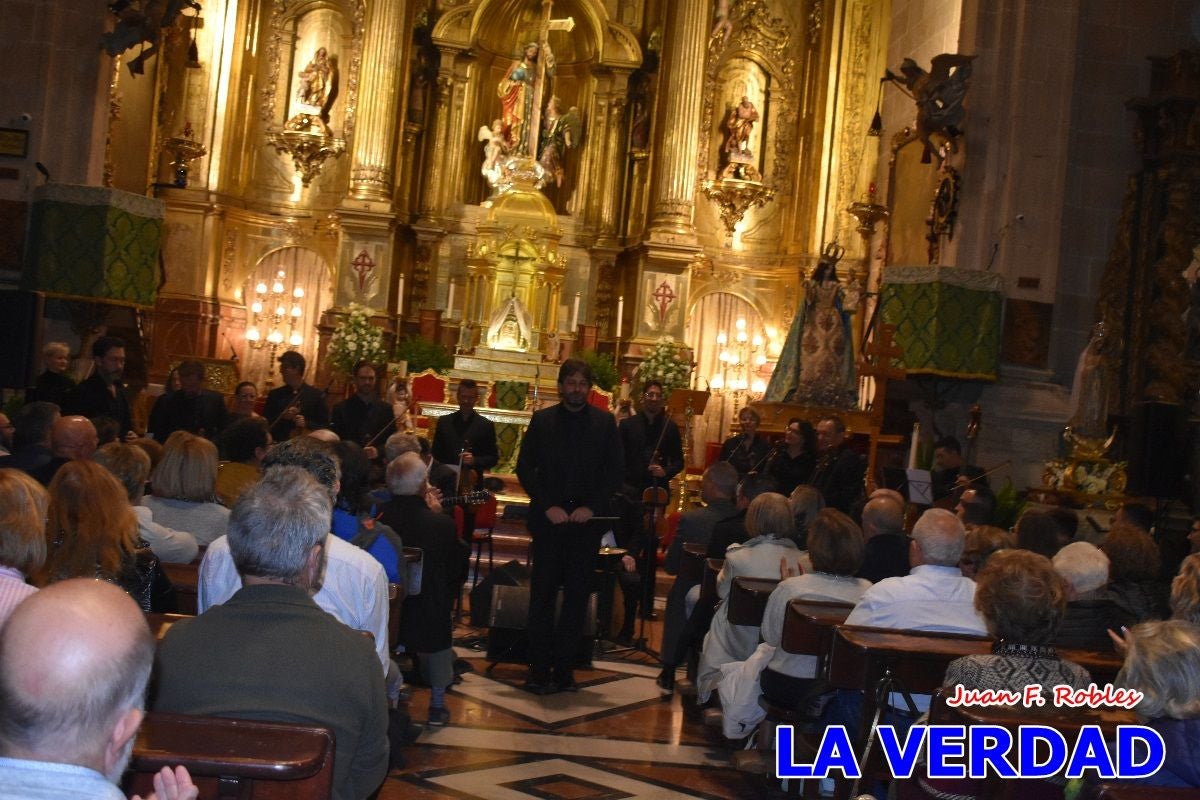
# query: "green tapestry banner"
[[947, 319], [94, 243]]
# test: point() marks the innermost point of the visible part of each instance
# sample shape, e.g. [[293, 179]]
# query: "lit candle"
[[620, 313], [450, 302], [575, 314], [400, 295], [912, 448]]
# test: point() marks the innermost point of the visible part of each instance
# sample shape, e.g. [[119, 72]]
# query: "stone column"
[[372, 172], [674, 180], [437, 150]]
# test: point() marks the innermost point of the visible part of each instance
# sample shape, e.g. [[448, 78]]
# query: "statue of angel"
[[493, 151]]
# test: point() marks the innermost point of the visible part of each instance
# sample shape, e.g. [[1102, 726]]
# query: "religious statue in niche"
[[816, 365], [317, 84], [510, 327], [722, 25], [939, 95], [739, 160], [516, 92], [1087, 429], [561, 132]]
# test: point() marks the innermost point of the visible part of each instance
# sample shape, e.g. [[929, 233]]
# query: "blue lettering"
[[1028, 737], [835, 752], [945, 742], [1128, 737], [901, 760], [989, 744], [1091, 752]]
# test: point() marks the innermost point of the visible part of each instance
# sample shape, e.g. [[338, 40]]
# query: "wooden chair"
[[396, 594], [230, 758], [186, 578], [691, 564], [708, 581], [483, 533], [748, 600], [161, 623], [1102, 666]]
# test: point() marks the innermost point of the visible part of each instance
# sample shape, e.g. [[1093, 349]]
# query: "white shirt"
[[172, 546], [21, 779], [809, 586], [355, 588]]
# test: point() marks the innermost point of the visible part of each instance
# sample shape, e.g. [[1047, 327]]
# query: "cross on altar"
[[665, 296], [544, 56], [363, 266]]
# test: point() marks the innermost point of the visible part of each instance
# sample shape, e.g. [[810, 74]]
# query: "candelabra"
[[270, 311], [740, 361]]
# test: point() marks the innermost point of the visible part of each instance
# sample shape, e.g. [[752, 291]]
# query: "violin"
[[468, 478]]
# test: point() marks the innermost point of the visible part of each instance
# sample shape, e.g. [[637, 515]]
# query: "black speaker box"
[[512, 573], [507, 641], [21, 332], [1158, 449]]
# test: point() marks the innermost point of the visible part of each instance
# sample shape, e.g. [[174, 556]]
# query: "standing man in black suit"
[[571, 465], [363, 418], [193, 408], [102, 394], [466, 435], [653, 456], [839, 473], [295, 404]]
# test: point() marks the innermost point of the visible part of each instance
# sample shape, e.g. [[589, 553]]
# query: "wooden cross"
[[539, 81]]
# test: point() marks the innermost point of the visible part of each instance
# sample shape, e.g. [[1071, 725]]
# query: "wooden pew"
[[161, 623], [691, 564], [865, 659], [748, 600], [235, 758], [1102, 666], [708, 582], [186, 578]]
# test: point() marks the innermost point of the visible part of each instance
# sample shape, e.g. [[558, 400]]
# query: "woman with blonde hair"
[[770, 527], [184, 488], [22, 536], [91, 532], [131, 466], [53, 384], [1185, 591]]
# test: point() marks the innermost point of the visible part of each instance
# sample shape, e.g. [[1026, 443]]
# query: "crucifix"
[[545, 57]]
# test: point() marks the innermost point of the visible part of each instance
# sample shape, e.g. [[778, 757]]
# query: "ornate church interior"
[[933, 218]]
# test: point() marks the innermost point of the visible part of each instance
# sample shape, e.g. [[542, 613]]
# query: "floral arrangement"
[[665, 364], [1086, 477], [356, 339]]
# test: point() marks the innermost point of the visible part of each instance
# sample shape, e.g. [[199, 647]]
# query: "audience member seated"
[[886, 553], [1185, 591], [131, 466], [732, 530], [71, 439], [747, 451], [427, 626], [1090, 609], [107, 430], [805, 502], [74, 662], [1038, 532], [245, 398], [244, 444], [355, 518], [717, 487], [836, 548], [769, 523], [54, 384], [31, 437], [1163, 663], [792, 464], [1137, 515], [92, 532], [151, 448], [1067, 522], [981, 543], [1133, 574], [976, 505], [22, 537], [1023, 600], [269, 652], [184, 488], [193, 408], [355, 587]]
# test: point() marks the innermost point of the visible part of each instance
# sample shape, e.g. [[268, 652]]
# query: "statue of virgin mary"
[[816, 365]]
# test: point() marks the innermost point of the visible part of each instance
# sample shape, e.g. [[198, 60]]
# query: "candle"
[[575, 314], [450, 302], [400, 296], [620, 313], [912, 449]]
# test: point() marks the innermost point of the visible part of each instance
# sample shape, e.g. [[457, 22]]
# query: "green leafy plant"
[[666, 365], [422, 354], [356, 339], [603, 368], [1010, 505]]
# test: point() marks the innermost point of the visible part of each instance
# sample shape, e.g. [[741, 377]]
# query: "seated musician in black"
[[747, 451], [950, 473], [653, 456], [839, 473], [792, 460]]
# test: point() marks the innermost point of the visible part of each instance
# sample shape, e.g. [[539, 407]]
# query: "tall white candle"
[[450, 302], [620, 313], [400, 295], [575, 314], [912, 448]]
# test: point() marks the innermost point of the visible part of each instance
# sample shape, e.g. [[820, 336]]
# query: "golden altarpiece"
[[714, 151]]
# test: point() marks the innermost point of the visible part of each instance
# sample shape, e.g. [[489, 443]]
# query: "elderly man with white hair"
[[1090, 609]]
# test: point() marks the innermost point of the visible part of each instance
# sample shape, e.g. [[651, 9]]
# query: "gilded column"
[[436, 174], [378, 102], [614, 171], [674, 181]]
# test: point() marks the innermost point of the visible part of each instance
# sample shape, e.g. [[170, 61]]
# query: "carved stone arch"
[[621, 47], [455, 29]]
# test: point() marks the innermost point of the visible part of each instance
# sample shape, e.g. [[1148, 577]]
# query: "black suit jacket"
[[453, 432], [638, 439], [91, 398], [569, 459], [204, 415], [356, 420], [838, 476], [311, 402]]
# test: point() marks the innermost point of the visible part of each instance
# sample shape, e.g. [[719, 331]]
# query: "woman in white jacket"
[[769, 524]]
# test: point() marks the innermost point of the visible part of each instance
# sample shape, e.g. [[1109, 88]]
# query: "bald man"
[[72, 438], [886, 554], [74, 661]]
